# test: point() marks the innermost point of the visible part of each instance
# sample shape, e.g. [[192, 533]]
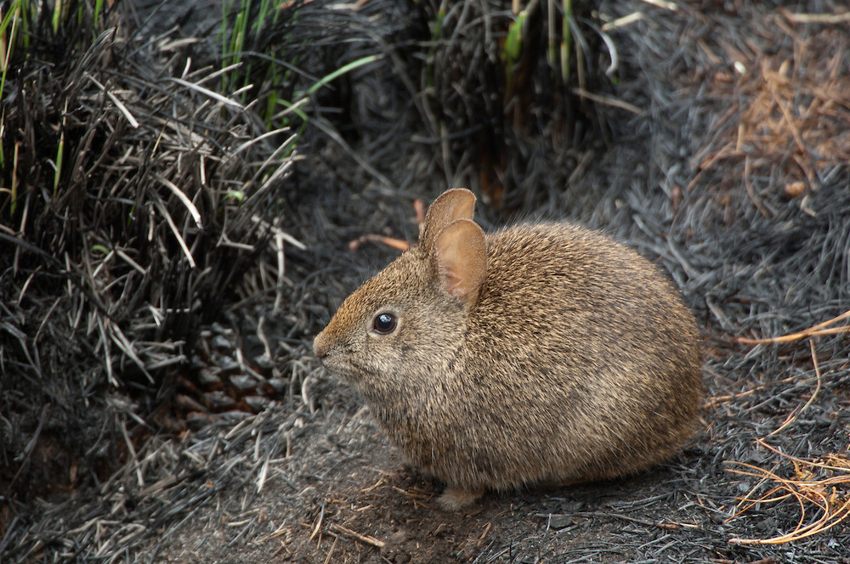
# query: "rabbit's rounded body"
[[571, 358]]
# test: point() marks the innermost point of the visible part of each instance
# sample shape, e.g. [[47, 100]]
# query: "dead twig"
[[814, 18], [366, 539]]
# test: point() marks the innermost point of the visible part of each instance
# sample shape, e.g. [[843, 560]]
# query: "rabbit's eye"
[[384, 323]]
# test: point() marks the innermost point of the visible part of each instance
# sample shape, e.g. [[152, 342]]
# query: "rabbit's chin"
[[342, 370]]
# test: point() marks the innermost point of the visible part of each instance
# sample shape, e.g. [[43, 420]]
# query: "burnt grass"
[[155, 410]]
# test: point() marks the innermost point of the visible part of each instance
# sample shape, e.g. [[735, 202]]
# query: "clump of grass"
[[120, 231], [18, 25], [266, 71], [527, 77]]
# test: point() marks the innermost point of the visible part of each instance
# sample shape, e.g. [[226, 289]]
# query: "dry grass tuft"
[[820, 487], [137, 199], [790, 116]]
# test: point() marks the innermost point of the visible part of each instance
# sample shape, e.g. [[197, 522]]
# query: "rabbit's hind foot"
[[454, 499]]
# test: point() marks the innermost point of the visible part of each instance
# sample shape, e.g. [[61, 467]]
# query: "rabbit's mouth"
[[348, 371], [335, 361], [338, 366]]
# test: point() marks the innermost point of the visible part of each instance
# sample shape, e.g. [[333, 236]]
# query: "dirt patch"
[[345, 495]]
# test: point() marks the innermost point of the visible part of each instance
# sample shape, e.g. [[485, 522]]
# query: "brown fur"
[[568, 358]]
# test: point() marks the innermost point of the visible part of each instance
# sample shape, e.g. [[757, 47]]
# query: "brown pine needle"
[[397, 244], [819, 329]]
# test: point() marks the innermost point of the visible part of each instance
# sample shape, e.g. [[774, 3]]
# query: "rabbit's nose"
[[320, 346]]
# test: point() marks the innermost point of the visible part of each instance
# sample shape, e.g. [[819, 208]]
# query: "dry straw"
[[824, 501], [827, 497]]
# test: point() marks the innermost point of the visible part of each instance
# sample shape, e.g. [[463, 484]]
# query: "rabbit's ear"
[[460, 259], [454, 204]]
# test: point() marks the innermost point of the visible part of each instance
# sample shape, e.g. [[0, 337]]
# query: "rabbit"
[[539, 354]]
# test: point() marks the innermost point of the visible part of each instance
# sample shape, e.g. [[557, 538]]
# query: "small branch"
[[815, 18], [372, 541]]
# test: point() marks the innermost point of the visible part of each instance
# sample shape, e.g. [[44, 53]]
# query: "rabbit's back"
[[579, 362]]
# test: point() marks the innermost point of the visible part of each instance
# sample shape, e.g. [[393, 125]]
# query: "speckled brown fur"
[[572, 359]]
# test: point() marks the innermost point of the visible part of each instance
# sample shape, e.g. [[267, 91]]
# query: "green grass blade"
[[339, 72], [513, 47], [565, 44], [98, 6], [14, 205], [59, 157], [304, 120], [57, 15], [432, 52], [10, 17], [226, 6], [265, 7]]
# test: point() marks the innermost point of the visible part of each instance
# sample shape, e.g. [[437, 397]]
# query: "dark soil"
[[349, 479], [733, 177]]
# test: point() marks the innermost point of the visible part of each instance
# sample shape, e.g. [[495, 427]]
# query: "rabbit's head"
[[402, 326]]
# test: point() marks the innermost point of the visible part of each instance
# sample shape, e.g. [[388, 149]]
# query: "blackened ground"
[[733, 178]]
